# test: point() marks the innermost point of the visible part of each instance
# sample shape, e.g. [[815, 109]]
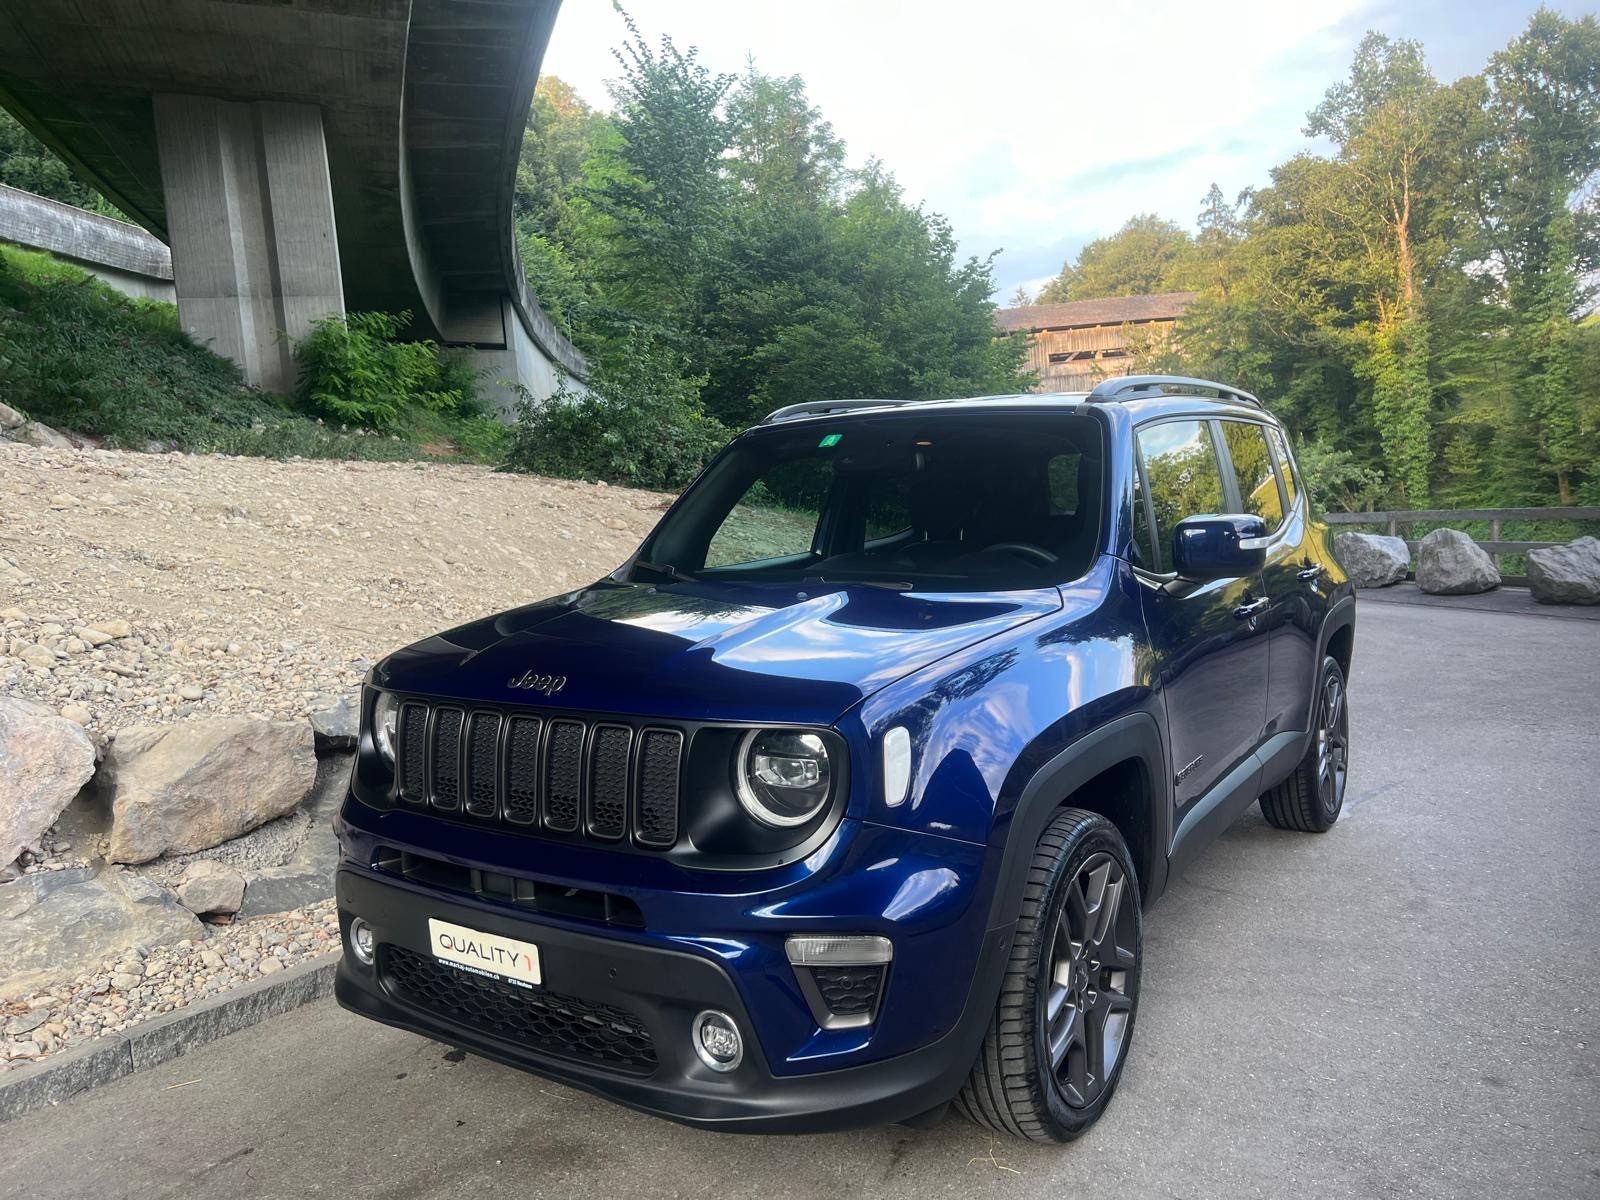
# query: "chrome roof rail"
[[1135, 387], [821, 408]]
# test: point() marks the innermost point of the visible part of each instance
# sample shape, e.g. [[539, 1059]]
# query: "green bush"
[[355, 369], [640, 423]]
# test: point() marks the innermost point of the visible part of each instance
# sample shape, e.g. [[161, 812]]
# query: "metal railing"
[[1453, 518]]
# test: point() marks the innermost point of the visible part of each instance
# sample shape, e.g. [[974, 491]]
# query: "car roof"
[[1138, 408]]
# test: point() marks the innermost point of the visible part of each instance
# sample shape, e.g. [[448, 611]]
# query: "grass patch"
[[79, 356]]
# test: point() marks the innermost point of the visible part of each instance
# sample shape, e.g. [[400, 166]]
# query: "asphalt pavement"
[[1406, 1006]]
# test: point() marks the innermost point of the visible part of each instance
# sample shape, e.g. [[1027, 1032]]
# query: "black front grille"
[[603, 780], [543, 1021]]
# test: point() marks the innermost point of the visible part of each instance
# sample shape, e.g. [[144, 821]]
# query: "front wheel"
[[1311, 798], [1064, 1022]]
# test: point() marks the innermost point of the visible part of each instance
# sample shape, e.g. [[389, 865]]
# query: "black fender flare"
[[1341, 615], [1133, 736]]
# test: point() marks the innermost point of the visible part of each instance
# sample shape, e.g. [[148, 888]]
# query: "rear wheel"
[[1311, 798], [1064, 1022]]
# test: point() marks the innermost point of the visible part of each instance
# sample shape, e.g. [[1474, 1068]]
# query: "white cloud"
[[1033, 125]]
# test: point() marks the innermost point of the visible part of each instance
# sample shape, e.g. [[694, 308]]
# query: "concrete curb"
[[150, 1043]]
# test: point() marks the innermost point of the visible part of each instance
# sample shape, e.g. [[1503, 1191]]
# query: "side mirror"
[[1207, 548]]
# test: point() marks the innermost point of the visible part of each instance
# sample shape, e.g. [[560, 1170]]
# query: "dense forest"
[[1417, 302], [1413, 295]]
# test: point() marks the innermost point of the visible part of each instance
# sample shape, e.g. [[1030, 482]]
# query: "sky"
[[1036, 126]]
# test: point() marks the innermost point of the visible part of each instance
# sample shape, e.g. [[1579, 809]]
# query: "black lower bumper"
[[663, 990]]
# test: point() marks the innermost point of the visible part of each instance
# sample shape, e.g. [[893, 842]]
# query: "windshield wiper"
[[667, 569], [893, 585]]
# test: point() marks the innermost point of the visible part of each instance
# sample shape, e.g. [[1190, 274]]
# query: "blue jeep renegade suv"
[[843, 798]]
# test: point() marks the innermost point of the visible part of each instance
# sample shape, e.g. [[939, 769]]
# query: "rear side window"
[[1285, 467], [1183, 478], [1252, 467]]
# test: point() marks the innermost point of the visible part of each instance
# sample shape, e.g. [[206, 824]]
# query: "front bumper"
[[662, 990]]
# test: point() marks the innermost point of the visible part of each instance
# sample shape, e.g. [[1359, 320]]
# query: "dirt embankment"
[[250, 586]]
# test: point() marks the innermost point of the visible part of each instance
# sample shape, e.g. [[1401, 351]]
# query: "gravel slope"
[[251, 586]]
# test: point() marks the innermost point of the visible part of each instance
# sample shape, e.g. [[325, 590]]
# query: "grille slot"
[[447, 758], [522, 770], [609, 781], [655, 820], [544, 1021], [563, 775], [483, 742], [413, 753]]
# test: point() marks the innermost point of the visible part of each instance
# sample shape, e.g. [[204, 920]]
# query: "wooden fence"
[[1453, 518]]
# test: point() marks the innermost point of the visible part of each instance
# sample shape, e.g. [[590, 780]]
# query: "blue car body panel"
[[997, 689]]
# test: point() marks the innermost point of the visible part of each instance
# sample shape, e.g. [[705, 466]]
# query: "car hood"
[[697, 651]]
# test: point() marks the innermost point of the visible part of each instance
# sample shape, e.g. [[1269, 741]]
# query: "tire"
[[1311, 798], [1018, 1086]]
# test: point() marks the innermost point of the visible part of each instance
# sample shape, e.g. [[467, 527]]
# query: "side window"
[[776, 517], [1183, 475], [1285, 466], [1252, 467]]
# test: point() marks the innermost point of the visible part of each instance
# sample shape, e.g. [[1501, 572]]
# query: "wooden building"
[[1074, 346]]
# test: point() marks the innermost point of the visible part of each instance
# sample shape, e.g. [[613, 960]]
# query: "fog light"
[[717, 1041], [363, 943]]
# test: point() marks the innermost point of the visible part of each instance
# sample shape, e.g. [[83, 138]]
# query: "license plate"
[[486, 954]]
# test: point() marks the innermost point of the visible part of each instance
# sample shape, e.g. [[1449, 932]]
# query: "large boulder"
[[181, 788], [55, 925], [44, 760], [1449, 563], [1372, 560], [1567, 574]]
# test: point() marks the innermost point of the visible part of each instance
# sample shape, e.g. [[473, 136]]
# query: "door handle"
[[1309, 573], [1245, 611]]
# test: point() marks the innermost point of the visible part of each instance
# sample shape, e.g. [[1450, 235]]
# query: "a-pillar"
[[255, 256]]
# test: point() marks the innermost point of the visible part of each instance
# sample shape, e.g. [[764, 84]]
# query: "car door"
[[1209, 646], [1292, 574]]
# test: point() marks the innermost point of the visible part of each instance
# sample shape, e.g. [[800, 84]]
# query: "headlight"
[[385, 716], [784, 777]]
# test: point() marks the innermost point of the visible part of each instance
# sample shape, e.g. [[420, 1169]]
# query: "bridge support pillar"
[[255, 255]]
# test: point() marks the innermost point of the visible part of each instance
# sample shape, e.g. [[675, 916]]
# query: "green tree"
[[658, 196], [1138, 259], [1541, 226], [783, 149]]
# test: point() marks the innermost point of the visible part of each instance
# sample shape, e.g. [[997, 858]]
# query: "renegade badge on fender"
[[843, 798]]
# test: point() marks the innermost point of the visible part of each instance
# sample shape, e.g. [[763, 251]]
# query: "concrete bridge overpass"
[[305, 157]]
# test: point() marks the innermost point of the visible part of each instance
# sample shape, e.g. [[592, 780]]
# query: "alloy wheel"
[[1087, 993], [1333, 744]]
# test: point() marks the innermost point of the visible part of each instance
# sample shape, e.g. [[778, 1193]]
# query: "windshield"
[[924, 502]]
